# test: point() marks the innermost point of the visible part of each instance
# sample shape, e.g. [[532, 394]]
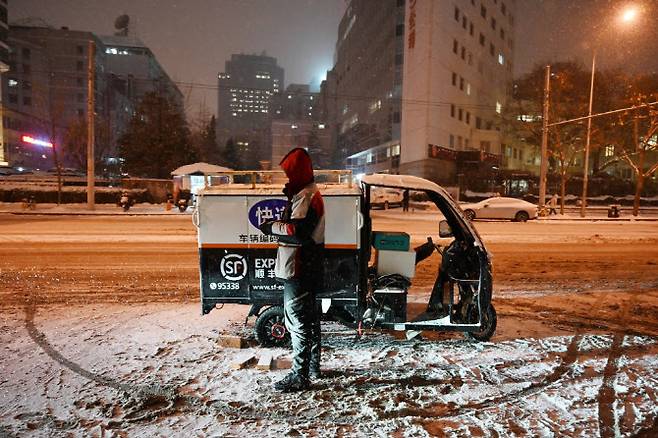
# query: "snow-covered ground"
[[159, 370], [100, 335]]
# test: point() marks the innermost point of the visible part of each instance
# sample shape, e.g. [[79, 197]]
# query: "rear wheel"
[[470, 214], [522, 216], [488, 325], [270, 328]]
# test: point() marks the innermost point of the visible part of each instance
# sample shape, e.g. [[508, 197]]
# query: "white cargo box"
[[229, 216], [396, 262]]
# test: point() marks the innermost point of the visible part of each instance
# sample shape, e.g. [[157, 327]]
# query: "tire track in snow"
[[607, 394], [144, 402]]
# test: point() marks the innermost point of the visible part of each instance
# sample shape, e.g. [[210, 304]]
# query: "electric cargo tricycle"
[[367, 273]]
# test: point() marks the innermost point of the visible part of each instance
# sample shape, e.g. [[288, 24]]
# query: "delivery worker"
[[299, 265]]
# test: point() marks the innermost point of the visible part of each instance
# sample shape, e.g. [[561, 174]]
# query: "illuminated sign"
[[36, 141]]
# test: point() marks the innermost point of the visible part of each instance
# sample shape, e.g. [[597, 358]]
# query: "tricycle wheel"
[[489, 322], [270, 328]]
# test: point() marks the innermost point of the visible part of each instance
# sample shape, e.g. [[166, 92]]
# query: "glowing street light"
[[627, 16]]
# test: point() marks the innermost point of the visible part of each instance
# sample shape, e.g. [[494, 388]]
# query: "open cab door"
[[462, 292]]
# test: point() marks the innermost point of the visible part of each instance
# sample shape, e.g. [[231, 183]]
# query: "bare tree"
[[567, 102], [640, 145], [74, 142]]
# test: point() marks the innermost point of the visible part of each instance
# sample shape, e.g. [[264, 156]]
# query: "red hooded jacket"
[[301, 229]]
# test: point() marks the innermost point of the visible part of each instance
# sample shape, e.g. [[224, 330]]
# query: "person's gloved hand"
[[266, 227]]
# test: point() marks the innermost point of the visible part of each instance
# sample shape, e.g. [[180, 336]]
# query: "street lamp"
[[627, 16]]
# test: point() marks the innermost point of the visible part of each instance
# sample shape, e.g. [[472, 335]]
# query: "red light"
[[31, 140]]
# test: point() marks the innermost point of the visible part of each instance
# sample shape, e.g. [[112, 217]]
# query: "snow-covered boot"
[[293, 382]]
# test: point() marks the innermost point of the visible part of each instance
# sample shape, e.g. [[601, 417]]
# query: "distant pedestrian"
[[552, 205], [405, 200]]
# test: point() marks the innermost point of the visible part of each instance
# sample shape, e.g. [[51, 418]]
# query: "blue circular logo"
[[266, 210]]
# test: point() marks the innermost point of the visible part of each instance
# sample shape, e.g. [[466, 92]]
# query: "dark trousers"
[[303, 323]]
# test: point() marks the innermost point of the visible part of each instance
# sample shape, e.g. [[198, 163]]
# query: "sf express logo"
[[233, 267]]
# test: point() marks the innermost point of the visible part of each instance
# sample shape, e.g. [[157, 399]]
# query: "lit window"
[[289, 96], [311, 97], [293, 126], [653, 142], [12, 82], [235, 114], [499, 107], [321, 126], [468, 89], [501, 59], [609, 150]]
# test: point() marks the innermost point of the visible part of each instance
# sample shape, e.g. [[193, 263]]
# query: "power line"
[[211, 87], [630, 108]]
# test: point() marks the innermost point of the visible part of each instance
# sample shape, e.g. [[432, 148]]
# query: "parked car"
[[500, 208], [385, 198]]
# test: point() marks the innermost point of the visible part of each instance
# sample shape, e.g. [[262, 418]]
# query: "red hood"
[[298, 168]]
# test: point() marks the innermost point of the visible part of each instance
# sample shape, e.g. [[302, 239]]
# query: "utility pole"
[[583, 202], [543, 169], [91, 178]]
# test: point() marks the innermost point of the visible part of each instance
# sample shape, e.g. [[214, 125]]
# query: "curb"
[[81, 213], [597, 219]]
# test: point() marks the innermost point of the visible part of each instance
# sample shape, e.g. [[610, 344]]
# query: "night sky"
[[193, 38]]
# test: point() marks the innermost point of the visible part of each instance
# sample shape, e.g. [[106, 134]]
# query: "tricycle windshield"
[[461, 227]]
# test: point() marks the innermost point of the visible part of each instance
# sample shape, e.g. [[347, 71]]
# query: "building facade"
[[444, 80], [45, 91], [129, 61], [361, 96], [297, 102], [308, 134], [249, 89]]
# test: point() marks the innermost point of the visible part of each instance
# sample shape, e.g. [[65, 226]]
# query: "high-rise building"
[[308, 134], [45, 90], [295, 123], [420, 85], [248, 88], [132, 70], [297, 102], [361, 95], [457, 79], [129, 60]]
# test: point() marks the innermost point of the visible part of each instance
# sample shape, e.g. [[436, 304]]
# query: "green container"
[[390, 240]]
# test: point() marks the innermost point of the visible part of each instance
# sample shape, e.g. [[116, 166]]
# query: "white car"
[[385, 198], [500, 208]]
